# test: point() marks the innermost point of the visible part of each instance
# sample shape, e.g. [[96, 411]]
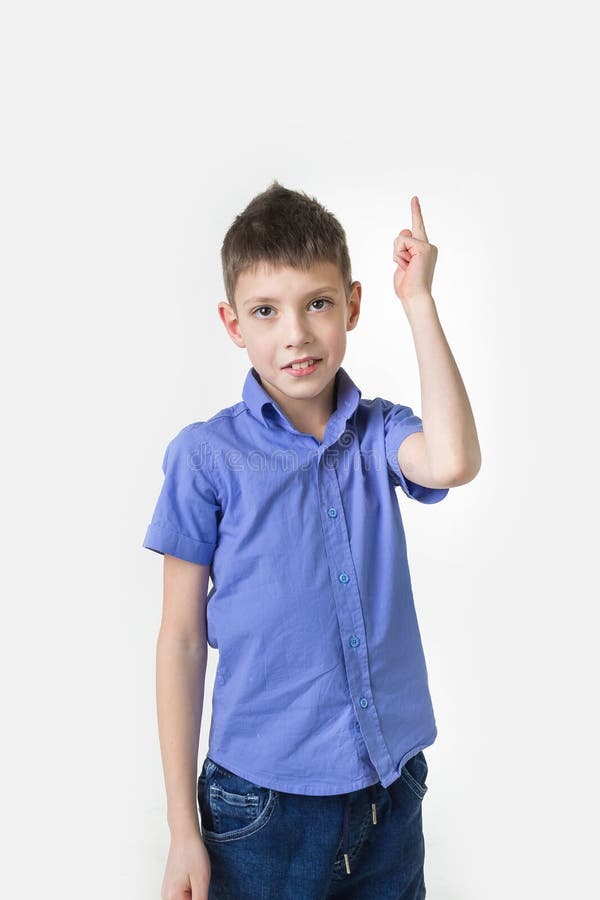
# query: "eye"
[[258, 310], [318, 300], [322, 300]]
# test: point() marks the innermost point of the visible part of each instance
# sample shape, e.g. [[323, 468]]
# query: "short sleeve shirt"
[[321, 684]]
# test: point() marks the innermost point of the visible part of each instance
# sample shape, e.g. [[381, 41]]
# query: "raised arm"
[[447, 452]]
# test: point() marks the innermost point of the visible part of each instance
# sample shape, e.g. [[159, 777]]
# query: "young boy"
[[315, 772]]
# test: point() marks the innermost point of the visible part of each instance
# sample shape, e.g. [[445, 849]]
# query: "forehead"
[[285, 282]]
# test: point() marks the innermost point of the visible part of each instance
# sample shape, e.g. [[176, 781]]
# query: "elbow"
[[462, 472]]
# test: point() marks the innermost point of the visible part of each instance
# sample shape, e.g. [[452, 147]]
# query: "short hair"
[[281, 227]]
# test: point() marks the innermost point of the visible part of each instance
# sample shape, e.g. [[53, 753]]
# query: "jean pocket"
[[231, 807], [414, 773]]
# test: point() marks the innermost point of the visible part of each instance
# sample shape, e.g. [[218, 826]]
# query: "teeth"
[[303, 365]]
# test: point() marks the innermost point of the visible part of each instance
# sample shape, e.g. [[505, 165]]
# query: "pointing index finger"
[[418, 226]]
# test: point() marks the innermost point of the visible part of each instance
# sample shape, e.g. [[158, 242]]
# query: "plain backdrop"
[[133, 134]]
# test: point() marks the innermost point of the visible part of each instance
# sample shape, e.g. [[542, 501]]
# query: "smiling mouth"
[[304, 365], [297, 370]]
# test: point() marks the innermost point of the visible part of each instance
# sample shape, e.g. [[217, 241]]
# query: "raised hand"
[[415, 258]]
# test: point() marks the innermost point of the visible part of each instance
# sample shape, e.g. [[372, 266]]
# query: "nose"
[[297, 331]]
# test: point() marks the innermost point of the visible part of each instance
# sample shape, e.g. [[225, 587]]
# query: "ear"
[[353, 305], [230, 321]]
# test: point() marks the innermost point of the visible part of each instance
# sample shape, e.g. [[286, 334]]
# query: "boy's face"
[[284, 314]]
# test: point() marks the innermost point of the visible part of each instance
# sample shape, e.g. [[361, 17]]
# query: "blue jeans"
[[265, 844]]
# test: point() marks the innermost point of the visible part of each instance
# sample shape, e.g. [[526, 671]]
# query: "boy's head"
[[289, 291]]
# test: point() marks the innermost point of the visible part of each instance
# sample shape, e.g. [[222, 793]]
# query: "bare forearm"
[[448, 424], [180, 676]]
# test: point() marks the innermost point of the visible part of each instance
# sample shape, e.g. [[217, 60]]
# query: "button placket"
[[350, 615]]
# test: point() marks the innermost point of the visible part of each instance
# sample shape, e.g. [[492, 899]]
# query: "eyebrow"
[[318, 290]]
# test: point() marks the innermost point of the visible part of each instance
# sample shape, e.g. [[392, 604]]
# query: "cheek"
[[337, 334]]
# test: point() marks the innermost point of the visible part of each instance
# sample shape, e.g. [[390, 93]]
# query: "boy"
[[315, 772]]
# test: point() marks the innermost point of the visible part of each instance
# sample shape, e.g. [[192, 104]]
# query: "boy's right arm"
[[181, 655]]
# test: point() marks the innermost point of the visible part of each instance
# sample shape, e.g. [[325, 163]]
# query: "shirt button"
[[344, 578], [354, 641], [332, 511], [363, 702]]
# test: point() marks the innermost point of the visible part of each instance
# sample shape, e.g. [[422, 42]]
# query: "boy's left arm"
[[446, 453]]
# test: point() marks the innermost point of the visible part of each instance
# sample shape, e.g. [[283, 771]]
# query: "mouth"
[[299, 370]]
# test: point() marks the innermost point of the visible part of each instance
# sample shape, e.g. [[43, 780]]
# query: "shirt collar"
[[264, 408]]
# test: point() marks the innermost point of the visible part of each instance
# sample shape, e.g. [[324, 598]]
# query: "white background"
[[133, 134]]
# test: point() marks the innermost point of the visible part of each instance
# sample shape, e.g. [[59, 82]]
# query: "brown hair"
[[281, 227]]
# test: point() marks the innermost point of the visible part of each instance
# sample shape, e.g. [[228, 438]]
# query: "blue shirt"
[[321, 684]]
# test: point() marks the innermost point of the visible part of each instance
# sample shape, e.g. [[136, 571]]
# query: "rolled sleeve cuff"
[[411, 489], [163, 539]]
